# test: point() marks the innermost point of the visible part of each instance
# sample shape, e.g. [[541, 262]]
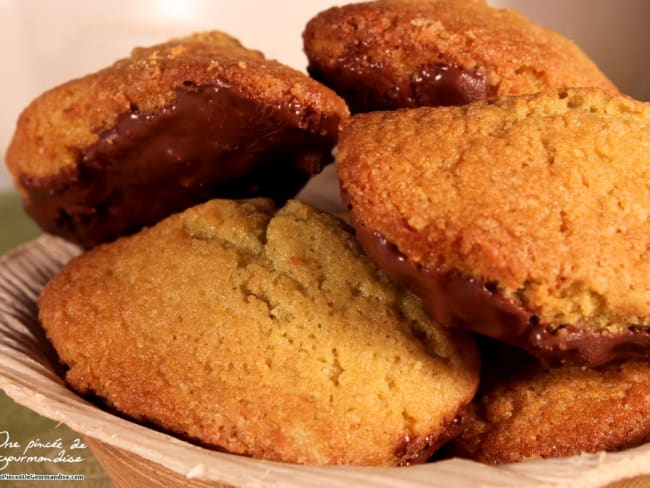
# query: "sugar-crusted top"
[[547, 196], [525, 411], [400, 37], [267, 333], [70, 116]]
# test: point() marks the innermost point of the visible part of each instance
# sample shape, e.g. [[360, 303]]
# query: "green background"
[[22, 424]]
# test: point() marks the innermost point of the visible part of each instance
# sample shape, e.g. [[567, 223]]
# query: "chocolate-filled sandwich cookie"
[[389, 54], [263, 332], [524, 219], [166, 128]]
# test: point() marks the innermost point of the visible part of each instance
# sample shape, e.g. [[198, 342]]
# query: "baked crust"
[[540, 200], [166, 128], [389, 54], [524, 411], [266, 333]]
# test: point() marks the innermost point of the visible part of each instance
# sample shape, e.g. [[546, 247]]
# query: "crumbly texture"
[[54, 126], [385, 47], [264, 333], [545, 197], [525, 412]]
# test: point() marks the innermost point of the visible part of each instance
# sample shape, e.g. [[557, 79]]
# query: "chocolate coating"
[[209, 142], [456, 300], [388, 54], [418, 450], [446, 85], [374, 87]]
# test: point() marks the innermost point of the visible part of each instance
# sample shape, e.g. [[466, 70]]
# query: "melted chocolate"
[[210, 142], [419, 449], [445, 85], [374, 87], [456, 300]]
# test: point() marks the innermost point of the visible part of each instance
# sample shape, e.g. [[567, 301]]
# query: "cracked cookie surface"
[[263, 332], [529, 215]]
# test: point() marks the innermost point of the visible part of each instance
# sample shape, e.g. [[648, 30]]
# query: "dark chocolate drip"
[[451, 298], [210, 142], [419, 449], [456, 300], [375, 87]]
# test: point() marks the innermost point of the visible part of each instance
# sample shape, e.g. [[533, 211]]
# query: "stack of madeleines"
[[486, 290]]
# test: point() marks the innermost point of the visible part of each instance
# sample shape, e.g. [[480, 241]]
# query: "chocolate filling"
[[210, 142], [367, 87], [456, 300]]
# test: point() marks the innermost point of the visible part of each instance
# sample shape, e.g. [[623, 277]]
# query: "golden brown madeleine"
[[524, 219], [407, 53], [524, 411], [168, 127], [266, 333]]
